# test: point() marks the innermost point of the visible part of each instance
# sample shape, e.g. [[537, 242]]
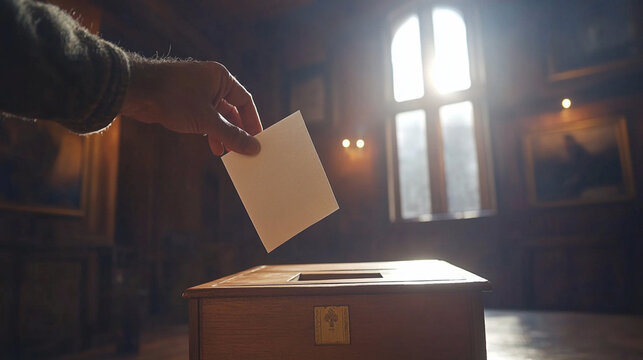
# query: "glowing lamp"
[[346, 143], [359, 143], [566, 103]]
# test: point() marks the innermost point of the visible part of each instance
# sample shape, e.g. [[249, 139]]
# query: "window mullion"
[[436, 162], [395, 206], [431, 100], [428, 51], [415, 104]]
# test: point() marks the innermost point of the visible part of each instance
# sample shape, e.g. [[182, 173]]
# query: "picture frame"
[[67, 178], [43, 168], [582, 162], [307, 90], [591, 37]]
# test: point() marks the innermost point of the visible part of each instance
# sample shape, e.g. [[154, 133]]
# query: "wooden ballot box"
[[422, 309]]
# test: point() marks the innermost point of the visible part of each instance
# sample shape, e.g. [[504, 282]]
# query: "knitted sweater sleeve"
[[51, 68]]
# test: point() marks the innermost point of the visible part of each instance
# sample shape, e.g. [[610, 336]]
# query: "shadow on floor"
[[511, 335]]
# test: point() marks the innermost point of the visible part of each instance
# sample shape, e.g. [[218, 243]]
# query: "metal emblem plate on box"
[[332, 325]]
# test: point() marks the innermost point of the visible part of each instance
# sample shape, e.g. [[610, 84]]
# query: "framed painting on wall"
[[43, 168], [583, 162], [589, 37], [47, 169], [307, 90]]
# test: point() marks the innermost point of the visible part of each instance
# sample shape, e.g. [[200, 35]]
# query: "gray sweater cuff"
[[112, 94]]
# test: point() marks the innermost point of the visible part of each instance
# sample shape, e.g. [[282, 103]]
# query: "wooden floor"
[[562, 336], [511, 335], [164, 343]]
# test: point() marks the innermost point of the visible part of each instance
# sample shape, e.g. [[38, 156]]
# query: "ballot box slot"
[[336, 276]]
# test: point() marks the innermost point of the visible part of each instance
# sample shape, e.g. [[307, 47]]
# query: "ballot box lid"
[[342, 278]]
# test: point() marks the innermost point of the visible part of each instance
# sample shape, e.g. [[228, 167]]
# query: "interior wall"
[[581, 257], [55, 257], [179, 222], [182, 219]]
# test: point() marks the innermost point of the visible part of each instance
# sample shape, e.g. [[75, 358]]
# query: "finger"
[[242, 100], [215, 146], [236, 120], [232, 136], [229, 112]]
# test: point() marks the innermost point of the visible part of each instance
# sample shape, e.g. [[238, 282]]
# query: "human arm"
[[53, 69]]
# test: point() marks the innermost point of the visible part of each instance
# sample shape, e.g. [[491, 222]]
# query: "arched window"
[[438, 159]]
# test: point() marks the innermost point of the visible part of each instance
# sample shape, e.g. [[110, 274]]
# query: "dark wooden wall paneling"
[[179, 221], [575, 257], [55, 269], [180, 216]]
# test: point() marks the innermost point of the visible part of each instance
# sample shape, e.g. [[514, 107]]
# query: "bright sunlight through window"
[[450, 70], [410, 129], [438, 160], [406, 55]]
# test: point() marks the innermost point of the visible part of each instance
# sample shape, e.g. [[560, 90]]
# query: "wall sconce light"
[[566, 103], [359, 143]]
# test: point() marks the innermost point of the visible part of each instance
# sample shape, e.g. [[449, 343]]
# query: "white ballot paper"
[[284, 188]]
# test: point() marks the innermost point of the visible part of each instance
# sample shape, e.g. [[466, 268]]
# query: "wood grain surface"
[[395, 277], [426, 309], [384, 326]]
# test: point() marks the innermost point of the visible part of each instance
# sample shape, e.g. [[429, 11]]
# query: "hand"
[[194, 97]]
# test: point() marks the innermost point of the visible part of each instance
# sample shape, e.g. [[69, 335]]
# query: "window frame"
[[431, 103]]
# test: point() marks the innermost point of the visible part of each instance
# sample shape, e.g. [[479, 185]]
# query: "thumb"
[[234, 138]]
